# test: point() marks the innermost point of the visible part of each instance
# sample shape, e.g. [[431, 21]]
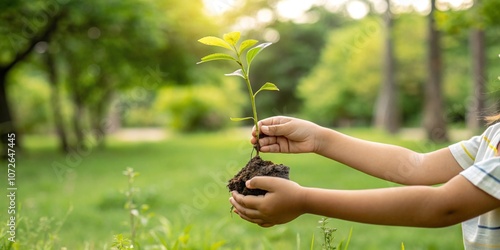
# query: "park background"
[[93, 88]]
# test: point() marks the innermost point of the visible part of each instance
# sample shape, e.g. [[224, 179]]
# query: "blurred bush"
[[30, 98], [203, 107], [343, 86]]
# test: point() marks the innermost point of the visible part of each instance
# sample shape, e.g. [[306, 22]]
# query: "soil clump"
[[256, 167]]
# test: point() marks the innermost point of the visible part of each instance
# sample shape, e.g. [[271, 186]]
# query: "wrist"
[[304, 203], [322, 140]]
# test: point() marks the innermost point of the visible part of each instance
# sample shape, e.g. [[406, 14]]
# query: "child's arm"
[[418, 206], [389, 162], [393, 163]]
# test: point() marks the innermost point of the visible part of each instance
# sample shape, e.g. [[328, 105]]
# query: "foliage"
[[199, 107], [300, 44], [483, 15], [335, 90], [121, 243], [35, 94], [328, 237], [230, 41], [157, 237], [342, 88], [98, 51], [41, 234]]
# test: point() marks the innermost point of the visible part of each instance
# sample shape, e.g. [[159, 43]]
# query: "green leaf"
[[232, 37], [349, 239], [246, 44], [267, 86], [217, 245], [240, 119], [214, 41], [253, 52], [238, 72], [312, 242], [216, 56]]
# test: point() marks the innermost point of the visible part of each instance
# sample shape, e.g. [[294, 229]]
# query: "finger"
[[262, 182], [250, 215], [266, 225], [267, 140], [272, 126], [253, 140], [275, 120], [246, 201], [274, 148], [256, 221], [276, 130], [254, 130]]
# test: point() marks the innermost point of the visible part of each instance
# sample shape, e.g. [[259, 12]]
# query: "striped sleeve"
[[465, 151], [485, 175]]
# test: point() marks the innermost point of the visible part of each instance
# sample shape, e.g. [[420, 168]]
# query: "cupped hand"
[[282, 203]]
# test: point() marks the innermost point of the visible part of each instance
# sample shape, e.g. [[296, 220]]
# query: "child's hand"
[[287, 135], [281, 204]]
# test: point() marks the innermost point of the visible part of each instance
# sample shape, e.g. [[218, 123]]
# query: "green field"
[[182, 179]]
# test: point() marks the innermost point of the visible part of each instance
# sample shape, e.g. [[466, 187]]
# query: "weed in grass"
[[328, 237], [121, 243], [143, 235], [42, 234]]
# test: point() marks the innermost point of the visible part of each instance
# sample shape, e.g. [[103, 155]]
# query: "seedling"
[[256, 166], [230, 42]]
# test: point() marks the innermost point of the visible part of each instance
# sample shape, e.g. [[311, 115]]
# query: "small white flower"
[[134, 212]]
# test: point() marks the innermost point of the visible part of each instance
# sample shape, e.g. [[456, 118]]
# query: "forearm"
[[405, 206], [389, 162]]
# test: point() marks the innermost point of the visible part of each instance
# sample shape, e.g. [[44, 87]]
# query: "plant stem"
[[131, 206], [252, 101], [252, 98]]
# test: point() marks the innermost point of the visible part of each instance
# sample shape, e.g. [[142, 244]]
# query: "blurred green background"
[[93, 87]]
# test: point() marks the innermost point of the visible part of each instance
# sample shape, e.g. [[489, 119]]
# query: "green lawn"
[[182, 179]]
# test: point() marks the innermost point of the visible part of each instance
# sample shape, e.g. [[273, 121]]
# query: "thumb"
[[262, 182]]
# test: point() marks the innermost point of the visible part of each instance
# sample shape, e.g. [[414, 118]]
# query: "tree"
[[387, 108], [341, 89], [477, 21], [301, 45], [22, 36], [434, 118], [92, 51], [479, 79]]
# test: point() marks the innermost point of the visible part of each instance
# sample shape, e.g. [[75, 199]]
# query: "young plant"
[[230, 41], [328, 237]]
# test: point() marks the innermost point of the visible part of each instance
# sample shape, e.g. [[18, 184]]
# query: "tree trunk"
[[477, 103], [77, 124], [56, 104], [386, 110], [99, 118], [6, 121], [6, 126], [434, 117]]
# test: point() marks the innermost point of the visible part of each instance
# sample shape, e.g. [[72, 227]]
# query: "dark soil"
[[256, 167]]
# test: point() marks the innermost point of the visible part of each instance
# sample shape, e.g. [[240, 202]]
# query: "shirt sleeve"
[[485, 175], [465, 151]]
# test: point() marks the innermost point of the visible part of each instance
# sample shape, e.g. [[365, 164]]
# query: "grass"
[[183, 180]]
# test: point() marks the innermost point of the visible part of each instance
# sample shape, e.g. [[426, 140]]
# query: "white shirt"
[[478, 157]]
